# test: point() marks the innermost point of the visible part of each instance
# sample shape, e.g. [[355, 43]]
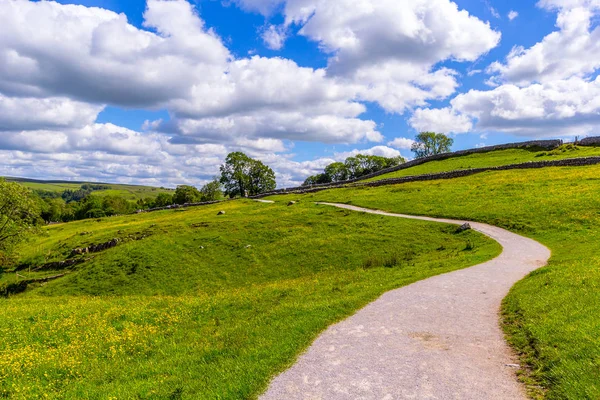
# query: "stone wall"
[[534, 144], [571, 162], [590, 141]]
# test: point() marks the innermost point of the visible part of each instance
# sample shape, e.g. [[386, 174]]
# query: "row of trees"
[[240, 176], [352, 168]]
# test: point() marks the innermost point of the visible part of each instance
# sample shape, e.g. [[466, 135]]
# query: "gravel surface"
[[439, 338]]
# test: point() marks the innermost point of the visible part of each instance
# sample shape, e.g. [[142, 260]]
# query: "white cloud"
[[512, 15], [572, 50], [402, 143], [387, 49], [26, 113], [444, 120], [560, 108], [274, 37], [382, 151], [180, 65]]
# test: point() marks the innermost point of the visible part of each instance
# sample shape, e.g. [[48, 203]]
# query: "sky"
[[158, 92]]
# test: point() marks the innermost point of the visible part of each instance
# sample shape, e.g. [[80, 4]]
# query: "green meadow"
[[552, 318], [493, 159], [195, 305], [129, 192]]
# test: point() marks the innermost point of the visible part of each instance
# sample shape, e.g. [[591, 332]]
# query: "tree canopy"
[[352, 168], [431, 143], [19, 215], [242, 175]]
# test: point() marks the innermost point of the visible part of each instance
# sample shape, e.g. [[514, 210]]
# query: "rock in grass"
[[291, 203], [221, 213], [464, 227]]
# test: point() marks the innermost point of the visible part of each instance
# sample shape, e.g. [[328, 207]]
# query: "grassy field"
[[206, 306], [130, 192], [493, 159], [553, 316]]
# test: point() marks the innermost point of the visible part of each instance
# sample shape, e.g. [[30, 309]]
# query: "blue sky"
[[160, 95]]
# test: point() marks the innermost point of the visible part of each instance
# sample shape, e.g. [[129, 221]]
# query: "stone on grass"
[[464, 227], [291, 203], [221, 213]]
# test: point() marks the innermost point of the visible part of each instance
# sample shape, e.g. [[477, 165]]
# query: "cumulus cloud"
[[274, 37], [30, 113], [513, 15], [388, 50], [572, 50], [444, 120], [180, 65], [402, 143], [566, 108]]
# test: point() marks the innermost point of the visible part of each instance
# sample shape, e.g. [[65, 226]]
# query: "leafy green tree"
[[261, 178], [337, 172], [19, 216], [187, 194], [352, 168], [431, 143], [53, 209], [163, 200], [212, 191], [317, 180], [242, 175], [116, 205]]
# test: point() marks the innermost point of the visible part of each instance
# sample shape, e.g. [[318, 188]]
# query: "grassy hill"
[[552, 316], [130, 192], [196, 305], [207, 306], [493, 159]]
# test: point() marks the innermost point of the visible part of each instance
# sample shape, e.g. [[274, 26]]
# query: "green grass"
[[553, 316], [207, 306], [130, 192], [492, 159]]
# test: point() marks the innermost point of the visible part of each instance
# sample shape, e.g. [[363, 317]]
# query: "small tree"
[[241, 176], [212, 191], [187, 194], [337, 172], [163, 200], [431, 143], [19, 216]]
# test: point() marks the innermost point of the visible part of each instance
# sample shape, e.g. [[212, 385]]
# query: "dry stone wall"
[[535, 144], [570, 162], [590, 141]]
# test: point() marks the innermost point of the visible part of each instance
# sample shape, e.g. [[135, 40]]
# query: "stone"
[[291, 203], [221, 213], [248, 246], [464, 227]]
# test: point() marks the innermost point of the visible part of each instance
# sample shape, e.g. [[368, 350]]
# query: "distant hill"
[[131, 192]]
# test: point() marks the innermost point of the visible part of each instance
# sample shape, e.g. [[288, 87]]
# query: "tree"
[[163, 200], [19, 216], [261, 178], [352, 168], [337, 172], [241, 176], [187, 194], [212, 191], [431, 143]]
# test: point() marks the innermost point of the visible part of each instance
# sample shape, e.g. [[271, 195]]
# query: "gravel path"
[[435, 339]]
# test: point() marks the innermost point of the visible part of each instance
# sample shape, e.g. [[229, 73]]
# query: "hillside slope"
[[492, 159], [551, 317], [192, 304], [130, 192]]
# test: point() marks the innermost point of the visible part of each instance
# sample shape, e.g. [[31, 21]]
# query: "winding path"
[[435, 339]]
